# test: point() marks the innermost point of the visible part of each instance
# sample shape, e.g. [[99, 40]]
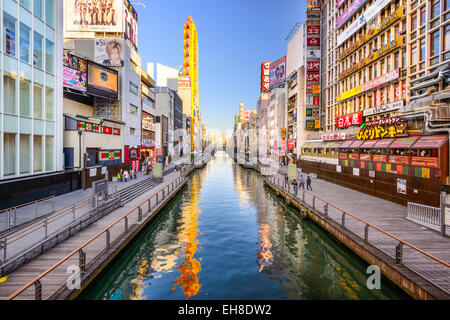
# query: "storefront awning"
[[356, 144], [383, 143], [403, 143], [309, 145], [369, 143], [333, 145], [430, 142], [346, 143]]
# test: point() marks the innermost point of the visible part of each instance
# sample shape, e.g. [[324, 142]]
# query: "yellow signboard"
[[349, 93]]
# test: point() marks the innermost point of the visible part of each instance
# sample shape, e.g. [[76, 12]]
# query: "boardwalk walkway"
[[390, 217], [29, 271]]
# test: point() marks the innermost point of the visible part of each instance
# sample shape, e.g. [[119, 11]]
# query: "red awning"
[[346, 143], [357, 144], [403, 143], [383, 143], [430, 142], [369, 143]]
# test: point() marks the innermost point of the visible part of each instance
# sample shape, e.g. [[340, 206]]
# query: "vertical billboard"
[[93, 16], [130, 20], [312, 74], [278, 72], [74, 72], [265, 77], [109, 52]]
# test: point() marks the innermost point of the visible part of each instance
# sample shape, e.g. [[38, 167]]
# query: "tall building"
[[190, 54], [31, 124]]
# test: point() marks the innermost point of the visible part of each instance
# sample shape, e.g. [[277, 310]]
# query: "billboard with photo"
[[74, 71], [278, 72], [102, 81], [93, 16], [130, 21], [109, 52]]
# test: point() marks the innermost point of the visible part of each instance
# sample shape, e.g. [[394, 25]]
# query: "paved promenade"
[[33, 211], [29, 271], [390, 217]]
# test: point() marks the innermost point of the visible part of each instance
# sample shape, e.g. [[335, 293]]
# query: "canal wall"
[[411, 282]]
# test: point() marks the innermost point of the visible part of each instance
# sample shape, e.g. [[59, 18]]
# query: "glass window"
[[9, 152], [48, 153], [25, 97], [9, 34], [435, 8], [26, 4], [422, 49], [25, 35], [25, 153], [37, 153], [132, 131], [37, 52], [413, 54], [397, 59], [49, 104], [50, 12], [447, 37], [423, 15], [38, 8], [49, 55], [37, 101], [404, 58], [133, 109], [388, 63], [414, 22], [9, 88], [435, 38]]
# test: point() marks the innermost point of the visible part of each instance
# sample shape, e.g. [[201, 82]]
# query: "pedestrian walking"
[[301, 182], [308, 183], [135, 174], [121, 174], [286, 181], [295, 187], [119, 177], [125, 175]]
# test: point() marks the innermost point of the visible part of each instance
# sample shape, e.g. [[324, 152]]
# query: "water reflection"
[[227, 236]]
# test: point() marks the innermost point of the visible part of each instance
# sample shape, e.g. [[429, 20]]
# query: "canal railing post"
[[325, 210], [303, 196], [73, 212], [82, 260], [343, 219], [156, 199], [36, 209], [126, 223], [314, 202], [108, 239], [3, 245], [366, 233], [149, 204], [399, 253], [46, 226], [139, 214], [38, 290]]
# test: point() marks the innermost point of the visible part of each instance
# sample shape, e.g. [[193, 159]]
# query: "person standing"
[[286, 181], [125, 175], [301, 183], [308, 183]]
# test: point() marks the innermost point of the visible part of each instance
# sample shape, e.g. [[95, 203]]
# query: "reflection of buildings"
[[187, 234]]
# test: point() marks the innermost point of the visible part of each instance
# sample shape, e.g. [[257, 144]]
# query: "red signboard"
[[313, 42], [312, 30], [313, 66], [349, 120], [265, 77], [291, 144], [107, 130], [116, 131], [399, 159], [385, 78], [425, 161], [312, 76]]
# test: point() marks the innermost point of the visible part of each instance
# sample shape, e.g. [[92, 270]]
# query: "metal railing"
[[104, 239], [389, 244], [11, 212], [423, 213]]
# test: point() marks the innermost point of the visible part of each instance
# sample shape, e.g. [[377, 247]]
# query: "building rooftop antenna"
[[293, 31]]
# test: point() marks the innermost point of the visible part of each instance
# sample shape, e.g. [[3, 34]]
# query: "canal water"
[[227, 236]]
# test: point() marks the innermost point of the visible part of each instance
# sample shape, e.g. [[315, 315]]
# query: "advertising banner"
[[401, 186], [184, 82], [93, 16], [312, 30], [312, 76], [349, 120], [385, 78], [74, 79], [313, 66], [313, 54], [349, 11], [278, 72], [312, 124], [265, 77], [130, 23], [283, 133], [283, 147], [313, 100], [291, 144], [313, 42], [109, 52], [313, 4], [367, 15], [102, 81], [340, 3]]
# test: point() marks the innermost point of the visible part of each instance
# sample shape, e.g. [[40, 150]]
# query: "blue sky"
[[234, 38]]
